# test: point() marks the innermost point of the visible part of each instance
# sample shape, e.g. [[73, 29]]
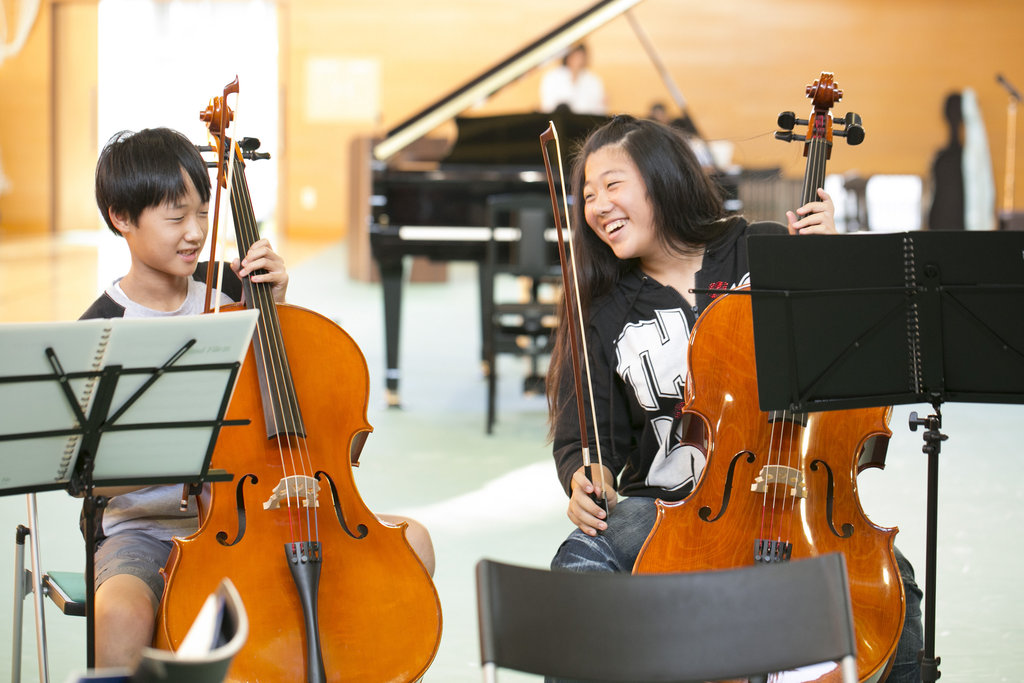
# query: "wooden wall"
[[25, 130], [738, 63]]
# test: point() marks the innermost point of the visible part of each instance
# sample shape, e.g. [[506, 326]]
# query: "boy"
[[153, 189]]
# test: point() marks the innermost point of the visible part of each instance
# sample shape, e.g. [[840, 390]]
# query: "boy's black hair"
[[140, 170]]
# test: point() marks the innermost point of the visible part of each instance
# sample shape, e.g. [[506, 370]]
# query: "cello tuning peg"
[[854, 130], [787, 120], [787, 136], [249, 147], [249, 144]]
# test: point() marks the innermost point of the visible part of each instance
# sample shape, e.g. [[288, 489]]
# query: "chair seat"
[[525, 308], [67, 591], [537, 320]]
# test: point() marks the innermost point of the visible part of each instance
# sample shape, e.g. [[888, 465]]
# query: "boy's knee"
[[125, 600], [417, 536]]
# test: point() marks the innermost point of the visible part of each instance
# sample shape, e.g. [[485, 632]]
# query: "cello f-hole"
[[222, 536], [705, 512], [361, 529], [830, 501]]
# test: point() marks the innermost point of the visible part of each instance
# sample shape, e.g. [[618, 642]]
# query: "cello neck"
[[814, 176]]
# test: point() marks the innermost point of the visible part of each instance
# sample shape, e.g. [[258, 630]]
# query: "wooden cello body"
[[378, 614], [332, 594], [777, 487], [780, 485]]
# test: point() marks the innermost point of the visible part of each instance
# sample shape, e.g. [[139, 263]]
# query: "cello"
[[781, 485], [332, 593]]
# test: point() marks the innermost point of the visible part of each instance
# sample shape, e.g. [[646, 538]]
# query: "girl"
[[657, 230]]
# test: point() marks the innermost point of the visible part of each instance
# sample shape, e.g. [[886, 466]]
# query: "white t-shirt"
[[584, 95], [155, 509]]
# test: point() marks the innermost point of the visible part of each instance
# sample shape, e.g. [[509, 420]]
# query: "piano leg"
[[391, 274], [485, 272]]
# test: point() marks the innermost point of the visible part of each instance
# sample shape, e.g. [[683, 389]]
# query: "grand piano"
[[434, 206], [437, 210]]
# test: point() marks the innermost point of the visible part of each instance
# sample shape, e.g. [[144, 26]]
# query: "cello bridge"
[[300, 487], [790, 477]]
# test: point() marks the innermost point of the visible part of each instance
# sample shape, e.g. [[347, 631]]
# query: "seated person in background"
[[658, 113], [574, 85], [153, 189]]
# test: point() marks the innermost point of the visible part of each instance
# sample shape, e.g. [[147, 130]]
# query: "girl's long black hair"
[[687, 209]]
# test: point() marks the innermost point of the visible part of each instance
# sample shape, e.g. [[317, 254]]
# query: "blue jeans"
[[616, 550]]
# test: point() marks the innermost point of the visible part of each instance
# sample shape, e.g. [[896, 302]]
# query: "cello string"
[[766, 517], [296, 431], [269, 339], [284, 387], [813, 179], [789, 497]]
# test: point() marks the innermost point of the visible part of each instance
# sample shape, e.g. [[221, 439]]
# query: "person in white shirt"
[[574, 85]]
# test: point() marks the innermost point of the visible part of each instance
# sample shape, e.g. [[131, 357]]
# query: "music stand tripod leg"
[[933, 439]]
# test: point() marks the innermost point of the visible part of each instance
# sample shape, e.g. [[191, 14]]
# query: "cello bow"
[[573, 314]]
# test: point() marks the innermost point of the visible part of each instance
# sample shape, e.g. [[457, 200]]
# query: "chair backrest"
[[531, 214], [697, 626]]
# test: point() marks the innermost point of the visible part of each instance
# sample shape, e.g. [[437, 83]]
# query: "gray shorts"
[[136, 553]]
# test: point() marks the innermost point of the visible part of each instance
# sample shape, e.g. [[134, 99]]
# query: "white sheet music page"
[[39, 432], [183, 395], [33, 402]]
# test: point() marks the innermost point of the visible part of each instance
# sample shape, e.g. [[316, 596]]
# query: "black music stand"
[[853, 321], [155, 392]]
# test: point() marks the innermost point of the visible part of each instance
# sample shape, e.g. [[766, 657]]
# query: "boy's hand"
[[814, 218], [262, 257]]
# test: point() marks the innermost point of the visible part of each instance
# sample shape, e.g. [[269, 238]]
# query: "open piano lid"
[[499, 76], [499, 139]]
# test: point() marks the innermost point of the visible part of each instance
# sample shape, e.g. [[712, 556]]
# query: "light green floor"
[[497, 496]]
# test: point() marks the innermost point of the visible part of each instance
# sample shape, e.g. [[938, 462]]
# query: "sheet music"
[[178, 396], [33, 406], [34, 403]]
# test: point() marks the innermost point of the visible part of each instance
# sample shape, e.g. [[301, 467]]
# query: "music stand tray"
[[872, 319]]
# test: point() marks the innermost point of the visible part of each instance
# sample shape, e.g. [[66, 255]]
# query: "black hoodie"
[[638, 338]]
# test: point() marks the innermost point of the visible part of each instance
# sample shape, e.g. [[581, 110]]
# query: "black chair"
[[698, 626], [522, 326]]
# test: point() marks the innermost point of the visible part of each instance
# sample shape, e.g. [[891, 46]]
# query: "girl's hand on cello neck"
[[584, 512], [814, 218], [262, 256]]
